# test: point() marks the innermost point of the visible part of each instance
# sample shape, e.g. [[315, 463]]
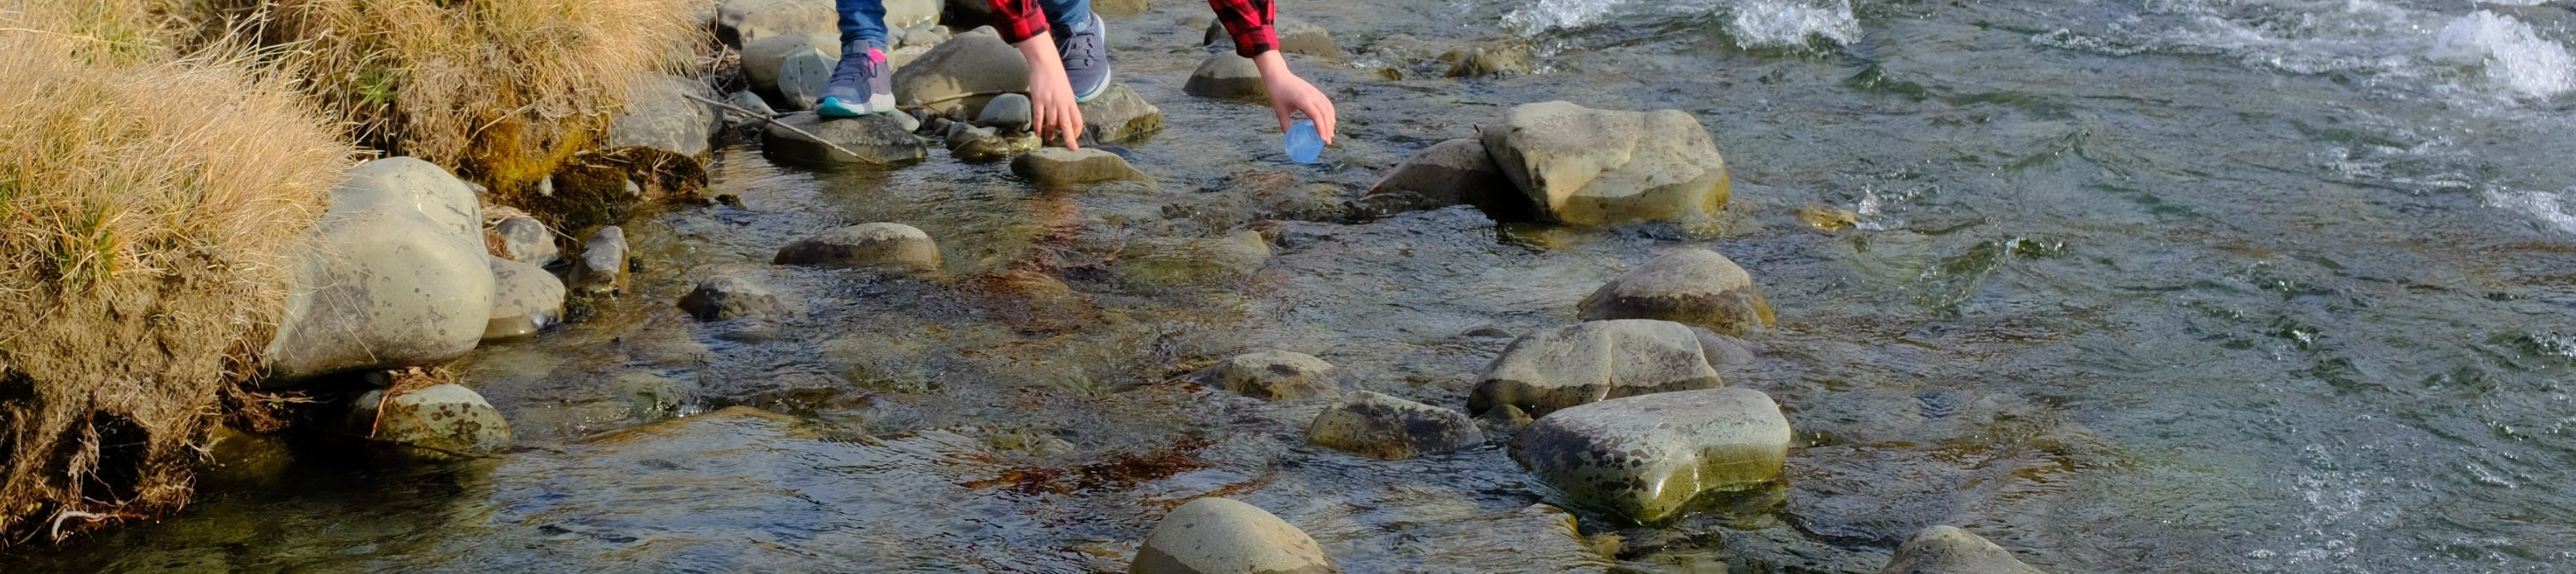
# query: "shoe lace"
[[1075, 52], [859, 67]]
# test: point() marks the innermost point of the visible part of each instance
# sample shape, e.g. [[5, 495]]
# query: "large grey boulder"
[[1217, 535], [891, 246], [1567, 366], [1174, 261], [1645, 458], [741, 22], [875, 139], [395, 274], [440, 422], [1274, 375], [1057, 166], [1602, 167], [660, 115], [961, 74], [1224, 75], [725, 297], [526, 299], [1118, 115], [1387, 428], [1943, 549], [1454, 172], [790, 70], [601, 268], [1692, 286], [526, 240]]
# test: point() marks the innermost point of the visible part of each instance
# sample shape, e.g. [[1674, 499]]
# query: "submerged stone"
[[1217, 535], [1572, 365], [1604, 167], [892, 246], [601, 268], [725, 297], [1646, 457], [1944, 549], [1388, 428], [440, 422], [1692, 286], [1274, 375], [1175, 261]]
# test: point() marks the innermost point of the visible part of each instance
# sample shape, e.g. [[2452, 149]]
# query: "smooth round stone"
[[1217, 535], [1692, 286], [725, 297], [791, 70], [526, 299], [892, 246], [1387, 428], [1119, 115], [526, 240], [1646, 457], [444, 422], [1943, 549], [1582, 363], [1274, 375], [1225, 75], [601, 268], [1591, 167], [1008, 112], [394, 274]]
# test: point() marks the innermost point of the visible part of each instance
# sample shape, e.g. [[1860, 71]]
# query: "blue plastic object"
[[1304, 143]]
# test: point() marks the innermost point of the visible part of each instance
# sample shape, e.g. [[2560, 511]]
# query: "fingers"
[[1322, 111]]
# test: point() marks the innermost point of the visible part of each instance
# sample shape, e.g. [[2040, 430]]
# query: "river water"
[[2173, 285]]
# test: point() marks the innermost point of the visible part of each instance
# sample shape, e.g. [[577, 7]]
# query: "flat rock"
[[1943, 549], [1274, 375], [1691, 286], [875, 139], [725, 297], [526, 299], [1217, 535], [1603, 167], [601, 268], [1174, 261], [526, 240], [1387, 428], [962, 73], [444, 422], [661, 115], [1582, 363], [1225, 75], [892, 246], [790, 70], [1453, 172], [1119, 115], [1066, 167], [1645, 458], [395, 274]]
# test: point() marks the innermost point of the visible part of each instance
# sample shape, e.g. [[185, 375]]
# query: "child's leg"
[[863, 21], [1067, 16]]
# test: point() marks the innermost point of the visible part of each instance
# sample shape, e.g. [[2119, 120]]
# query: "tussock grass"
[[503, 91], [146, 202]]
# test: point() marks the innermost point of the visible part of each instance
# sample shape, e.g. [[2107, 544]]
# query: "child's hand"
[[1289, 93], [1052, 109]]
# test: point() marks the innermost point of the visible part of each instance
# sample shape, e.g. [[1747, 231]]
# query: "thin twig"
[[775, 122]]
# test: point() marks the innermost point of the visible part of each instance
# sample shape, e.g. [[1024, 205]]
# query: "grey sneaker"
[[861, 84], [1086, 59]]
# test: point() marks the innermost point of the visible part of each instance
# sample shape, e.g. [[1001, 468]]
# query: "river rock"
[[649, 396], [526, 240], [1692, 286], [1646, 457], [660, 115], [445, 421], [1217, 535], [725, 297], [1601, 167], [1454, 172], [741, 22], [235, 457], [1057, 166], [752, 103], [1174, 261], [1567, 366], [601, 268], [1387, 428], [1295, 37], [878, 139], [1944, 549], [1225, 75], [908, 15], [1487, 62], [1118, 115], [891, 246], [526, 299], [1007, 112], [790, 70], [394, 274], [983, 144], [962, 73], [1274, 375]]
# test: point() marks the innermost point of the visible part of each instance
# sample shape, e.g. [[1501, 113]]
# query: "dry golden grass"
[[146, 202], [502, 91]]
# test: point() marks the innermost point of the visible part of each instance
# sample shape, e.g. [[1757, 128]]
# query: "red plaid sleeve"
[[1250, 23], [1021, 20]]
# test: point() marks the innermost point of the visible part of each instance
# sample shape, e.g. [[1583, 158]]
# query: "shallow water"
[[2173, 285]]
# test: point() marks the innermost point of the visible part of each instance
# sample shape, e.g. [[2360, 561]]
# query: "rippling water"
[[2174, 285]]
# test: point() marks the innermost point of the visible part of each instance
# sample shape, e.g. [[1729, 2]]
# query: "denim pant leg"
[[863, 20], [1067, 15]]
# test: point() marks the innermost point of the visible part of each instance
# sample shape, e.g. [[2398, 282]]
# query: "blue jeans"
[[864, 20]]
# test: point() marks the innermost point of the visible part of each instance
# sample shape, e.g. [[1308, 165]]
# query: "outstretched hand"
[[1289, 93], [1052, 109]]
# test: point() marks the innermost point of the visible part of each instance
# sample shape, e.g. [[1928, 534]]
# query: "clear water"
[[2168, 285]]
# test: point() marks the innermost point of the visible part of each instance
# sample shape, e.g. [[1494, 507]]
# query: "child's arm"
[[1250, 22]]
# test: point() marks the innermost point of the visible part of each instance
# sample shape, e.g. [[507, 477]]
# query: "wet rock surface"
[[870, 140], [1585, 166], [726, 297], [602, 265], [1379, 426], [1689, 286], [526, 299], [889, 246], [440, 422], [1119, 115], [394, 275], [1213, 534], [1949, 550], [1646, 457], [1576, 364], [1453, 172], [1065, 167], [1274, 375], [1178, 261]]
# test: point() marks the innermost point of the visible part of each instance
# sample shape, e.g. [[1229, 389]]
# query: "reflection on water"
[[2276, 286]]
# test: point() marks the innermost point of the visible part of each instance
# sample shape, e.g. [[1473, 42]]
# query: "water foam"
[[2550, 208], [2514, 56], [1753, 23]]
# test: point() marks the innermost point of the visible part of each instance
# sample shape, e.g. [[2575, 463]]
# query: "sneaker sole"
[[877, 104]]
